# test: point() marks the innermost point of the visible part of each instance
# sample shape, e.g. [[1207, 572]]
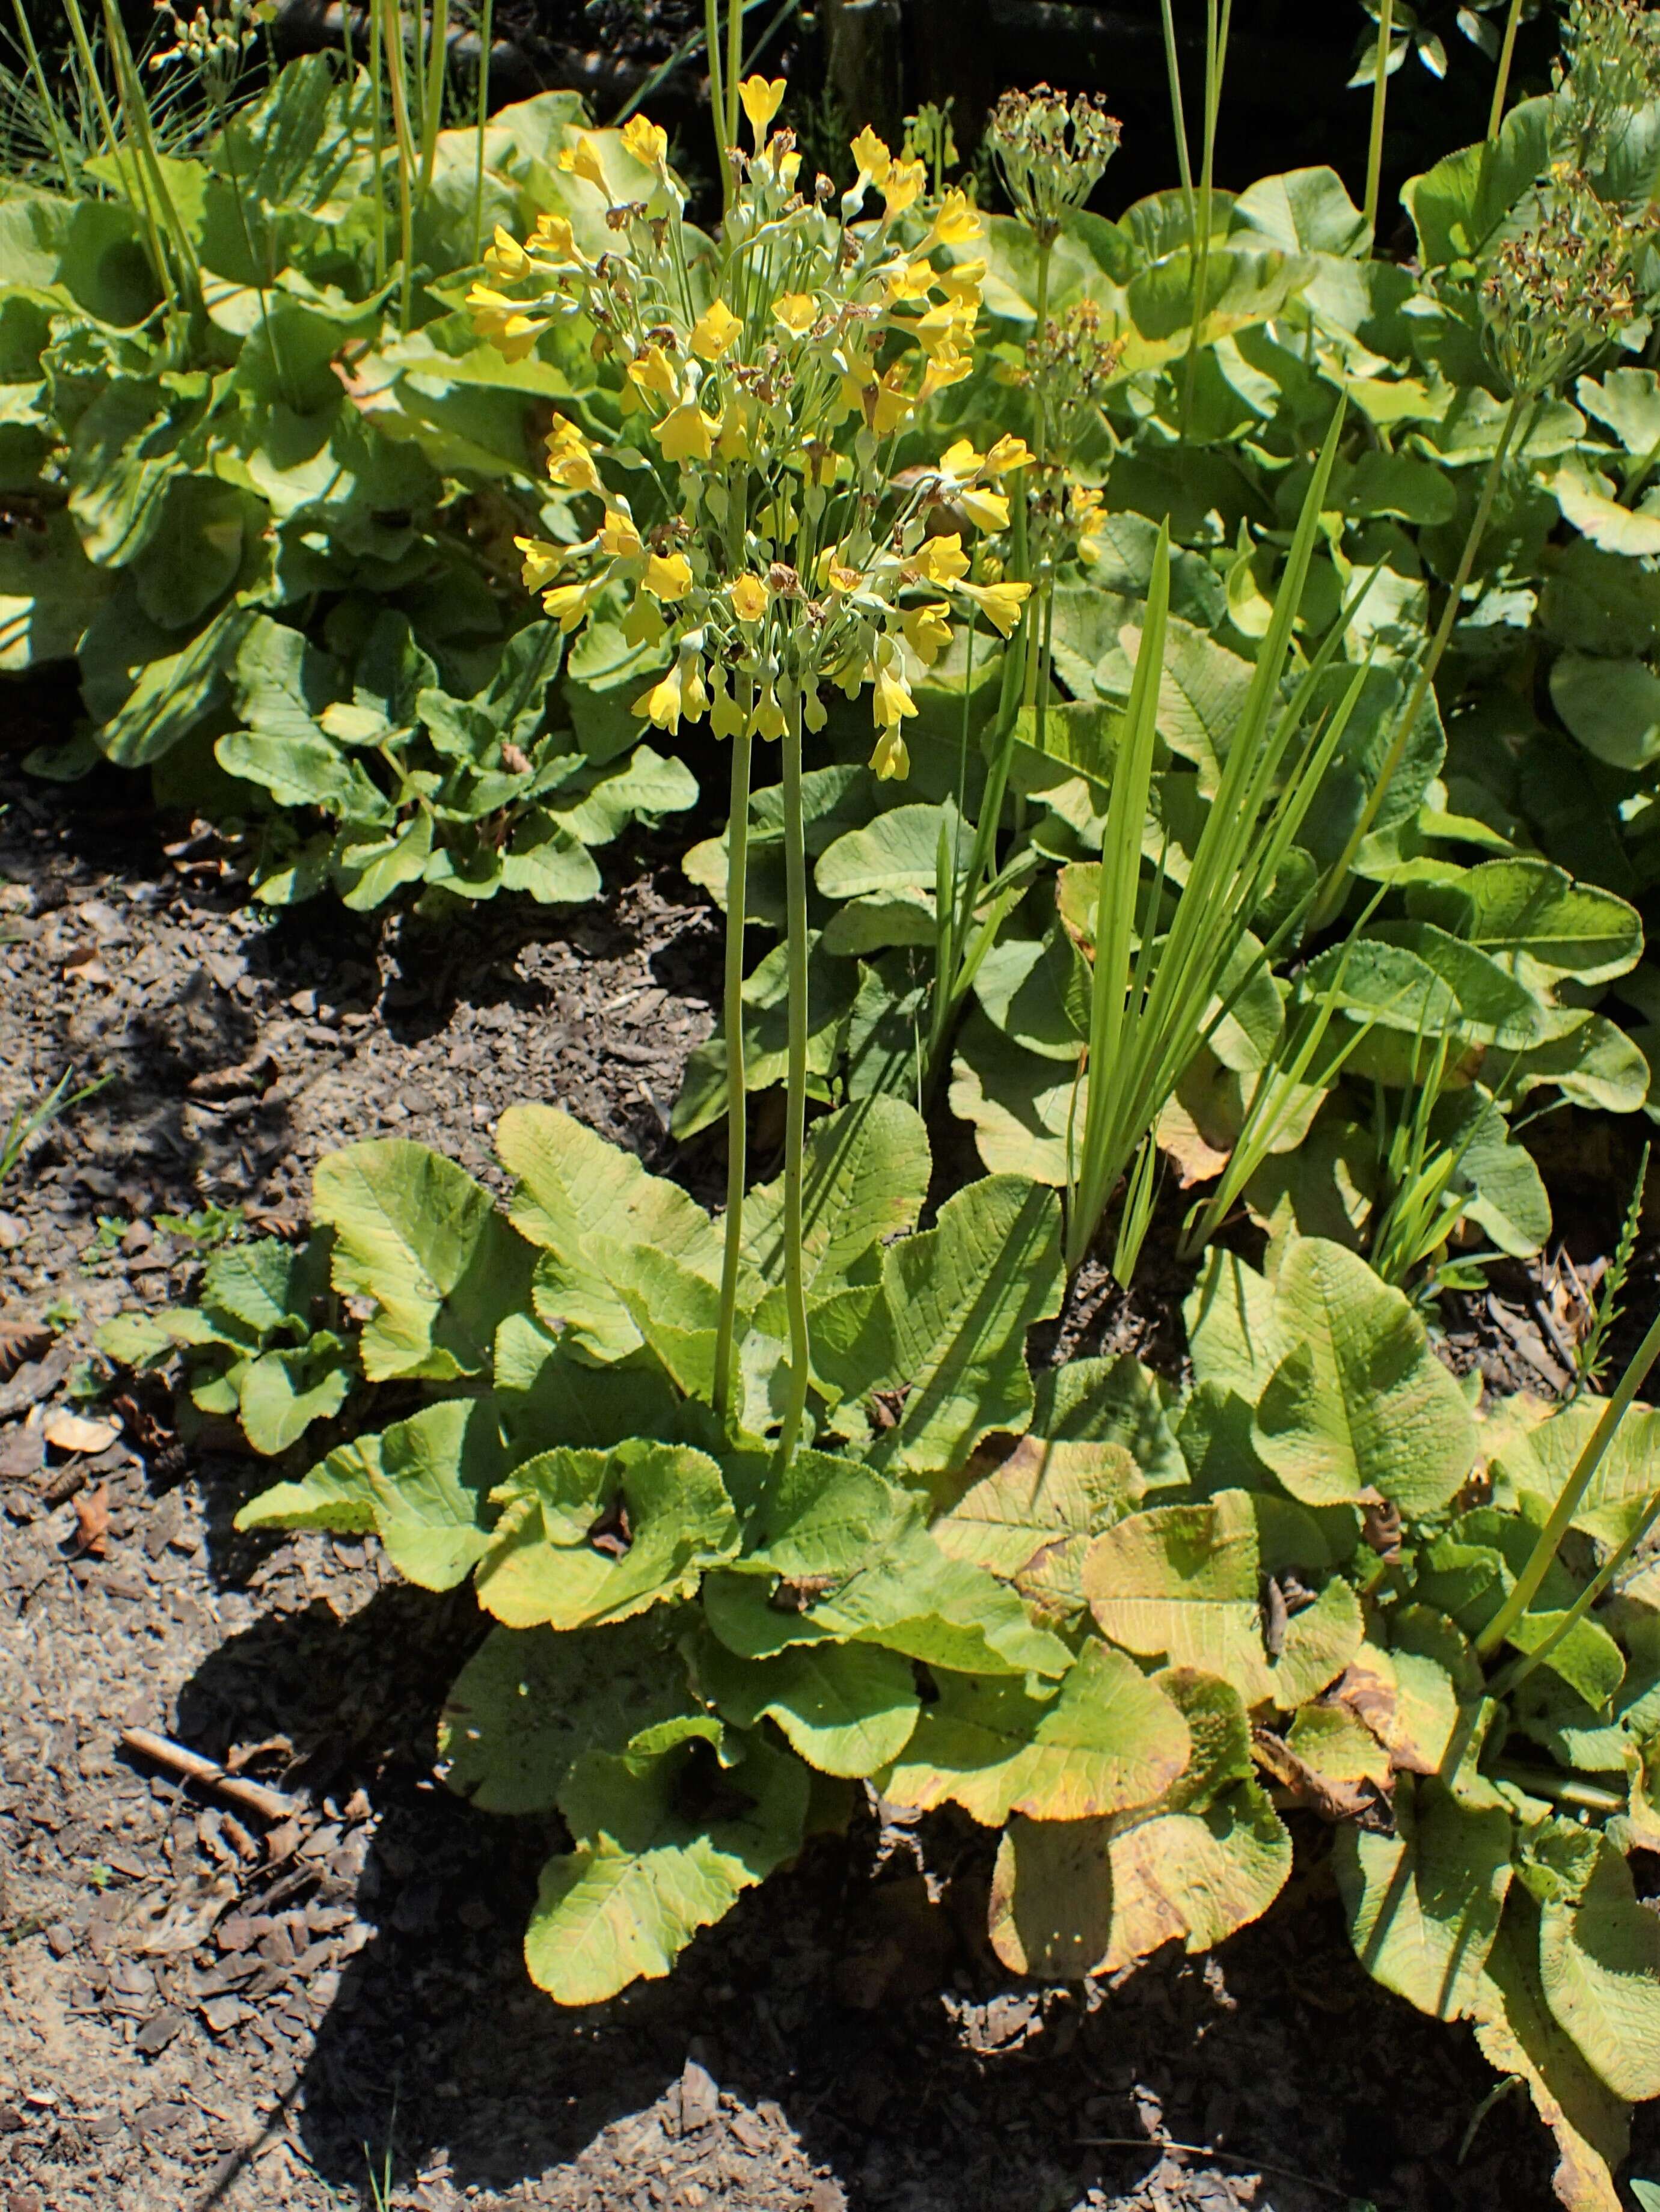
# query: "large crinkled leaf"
[[1305, 211], [1112, 1401], [1599, 1963], [432, 1481], [1360, 1401], [592, 1536], [530, 1701], [1586, 497], [823, 1519], [1423, 1904], [898, 851], [1029, 1517], [1097, 1897], [947, 1325], [865, 1175], [1180, 1583], [337, 1494], [847, 1709], [1019, 1104], [1107, 1739], [415, 1234], [675, 1312], [581, 1199], [1535, 920], [1457, 206], [1233, 1332], [281, 1393], [1538, 1464], [647, 1873], [1517, 2035]]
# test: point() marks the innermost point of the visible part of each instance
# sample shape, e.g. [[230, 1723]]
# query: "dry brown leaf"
[[250, 1078], [1360, 1802], [92, 1522], [74, 1432], [1370, 1695], [22, 1337]]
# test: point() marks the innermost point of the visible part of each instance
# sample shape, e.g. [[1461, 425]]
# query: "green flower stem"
[[795, 1116], [1379, 99], [1519, 1668], [1178, 117], [1216, 62], [1501, 83], [54, 122], [1543, 1782], [718, 99], [377, 62], [1549, 1541], [1337, 883], [738, 833], [132, 183], [734, 67], [432, 101], [393, 44], [486, 33]]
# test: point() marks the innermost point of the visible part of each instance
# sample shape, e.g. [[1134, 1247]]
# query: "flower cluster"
[[1559, 290], [1073, 366], [1612, 67], [766, 378], [1050, 152], [217, 36]]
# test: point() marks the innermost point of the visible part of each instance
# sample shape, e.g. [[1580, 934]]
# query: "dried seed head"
[[1051, 151]]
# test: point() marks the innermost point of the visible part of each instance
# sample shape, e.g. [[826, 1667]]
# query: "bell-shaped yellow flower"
[[927, 631], [732, 439], [852, 675], [961, 460], [570, 462], [892, 405], [686, 434], [749, 597], [949, 365], [501, 322], [768, 718], [618, 538], [693, 692], [543, 562], [942, 329], [713, 331], [890, 699], [1007, 455], [907, 280], [653, 371], [726, 715], [941, 560], [873, 156], [796, 311], [569, 604], [582, 160], [643, 624], [903, 184], [814, 712], [506, 259], [554, 237], [647, 142], [964, 281], [761, 99], [987, 510], [668, 576], [661, 705], [1001, 603], [890, 760], [957, 222]]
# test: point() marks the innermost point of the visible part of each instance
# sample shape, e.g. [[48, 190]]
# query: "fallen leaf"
[[92, 1521], [22, 1337], [249, 1079], [1363, 1802], [84, 963], [74, 1432]]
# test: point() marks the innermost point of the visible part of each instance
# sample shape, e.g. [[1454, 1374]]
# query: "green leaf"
[[338, 1495], [847, 1709], [1599, 1961], [1613, 707], [584, 1201], [417, 1236], [1423, 1904], [49, 594], [1360, 1401], [1537, 1465], [1535, 920], [1113, 1400], [282, 1393], [949, 1328], [529, 1701], [1586, 498], [592, 1536], [1180, 1583], [1305, 211], [1233, 1331], [1030, 1518], [1020, 1105], [865, 1175], [898, 851], [1109, 1738], [431, 1481], [646, 1874], [1097, 1897], [1458, 206]]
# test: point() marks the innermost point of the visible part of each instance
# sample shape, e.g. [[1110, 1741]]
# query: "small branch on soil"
[[1208, 2150], [272, 1804]]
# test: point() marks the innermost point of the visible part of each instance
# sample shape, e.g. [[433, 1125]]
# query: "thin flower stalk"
[[1380, 84], [1501, 82]]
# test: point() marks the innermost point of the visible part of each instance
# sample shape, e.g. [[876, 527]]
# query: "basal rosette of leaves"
[[274, 525], [1129, 1629]]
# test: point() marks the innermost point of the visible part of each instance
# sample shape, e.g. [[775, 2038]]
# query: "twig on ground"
[[270, 1804], [1208, 2150]]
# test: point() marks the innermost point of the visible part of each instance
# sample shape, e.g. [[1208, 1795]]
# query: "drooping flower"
[[570, 457], [619, 536], [501, 322], [554, 237], [890, 760], [543, 562], [873, 156], [648, 141], [732, 439], [668, 576], [568, 603], [506, 259], [582, 160], [768, 718], [761, 99], [890, 699], [908, 280], [715, 331], [749, 597], [927, 630], [941, 560], [903, 186], [652, 370], [1001, 603], [725, 716], [686, 434], [661, 705], [947, 366], [964, 281], [1007, 455], [957, 222]]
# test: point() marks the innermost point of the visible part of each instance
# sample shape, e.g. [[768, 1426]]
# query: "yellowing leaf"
[[1599, 1961], [1423, 1904], [1180, 1583], [1029, 1519]]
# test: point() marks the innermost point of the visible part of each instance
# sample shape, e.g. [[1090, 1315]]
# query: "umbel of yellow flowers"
[[765, 376]]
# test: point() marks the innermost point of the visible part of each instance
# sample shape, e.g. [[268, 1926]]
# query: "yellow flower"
[[767, 719], [1007, 455], [957, 223], [1086, 503], [888, 403], [651, 370], [643, 624], [668, 575], [841, 578], [961, 460], [1001, 603], [554, 236], [569, 604], [749, 597], [947, 366], [851, 675], [890, 698], [873, 156], [506, 259], [715, 331], [966, 282], [693, 691], [941, 560], [662, 704], [543, 562], [726, 715], [789, 170], [902, 185], [762, 101], [733, 443], [502, 322], [570, 461], [907, 280], [820, 465], [647, 142], [890, 760], [940, 329], [686, 434], [795, 311], [618, 538], [582, 160], [989, 510], [927, 632]]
